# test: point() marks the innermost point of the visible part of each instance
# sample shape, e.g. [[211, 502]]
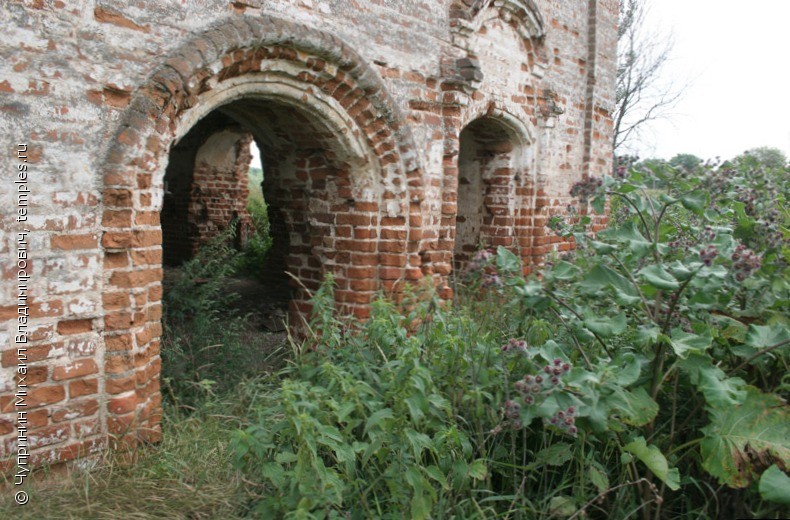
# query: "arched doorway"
[[343, 184], [311, 175]]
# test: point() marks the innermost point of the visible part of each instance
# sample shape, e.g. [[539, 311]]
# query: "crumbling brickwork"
[[397, 136]]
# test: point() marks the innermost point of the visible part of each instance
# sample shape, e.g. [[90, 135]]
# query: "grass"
[[188, 475]]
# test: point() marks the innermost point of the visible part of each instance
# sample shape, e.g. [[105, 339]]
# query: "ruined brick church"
[[397, 137]]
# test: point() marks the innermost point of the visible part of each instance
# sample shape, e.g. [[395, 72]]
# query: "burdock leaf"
[[743, 438], [629, 235], [637, 407], [601, 277], [599, 479], [506, 261], [555, 455], [775, 486], [764, 336], [684, 343], [478, 469], [606, 327], [695, 201], [659, 277], [655, 461], [720, 390]]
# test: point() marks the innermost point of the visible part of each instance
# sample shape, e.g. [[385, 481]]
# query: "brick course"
[[397, 136]]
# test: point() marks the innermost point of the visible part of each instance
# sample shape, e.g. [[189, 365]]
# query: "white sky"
[[736, 57]]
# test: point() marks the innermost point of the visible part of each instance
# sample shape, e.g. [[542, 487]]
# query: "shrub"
[[644, 374]]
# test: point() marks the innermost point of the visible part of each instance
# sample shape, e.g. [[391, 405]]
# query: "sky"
[[735, 58]]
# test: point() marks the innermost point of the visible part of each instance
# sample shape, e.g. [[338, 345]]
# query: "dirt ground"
[[265, 311]]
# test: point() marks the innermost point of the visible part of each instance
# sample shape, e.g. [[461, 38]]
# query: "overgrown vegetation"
[[252, 260], [643, 376], [187, 476], [206, 343]]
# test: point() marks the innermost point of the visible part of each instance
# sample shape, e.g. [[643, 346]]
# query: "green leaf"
[[421, 505], [628, 369], [626, 458], [764, 336], [607, 327], [648, 335], [414, 477], [507, 262], [478, 469], [285, 457], [555, 455], [562, 506], [659, 277], [683, 272], [436, 474], [601, 277], [775, 486], [599, 204], [539, 332], [563, 271], [720, 390], [655, 461], [460, 473], [597, 411], [418, 442], [684, 343], [742, 438], [274, 473], [598, 478], [731, 329], [377, 417], [345, 410], [695, 201], [416, 404], [602, 248], [629, 235], [639, 408]]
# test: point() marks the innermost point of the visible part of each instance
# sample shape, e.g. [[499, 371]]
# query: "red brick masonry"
[[397, 136]]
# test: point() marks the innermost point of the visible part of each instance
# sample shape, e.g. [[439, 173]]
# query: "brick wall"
[[206, 188], [381, 123]]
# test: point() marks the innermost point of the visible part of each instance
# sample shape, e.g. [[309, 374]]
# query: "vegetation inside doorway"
[[220, 325]]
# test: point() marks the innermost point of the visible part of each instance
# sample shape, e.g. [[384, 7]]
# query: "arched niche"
[[492, 156]]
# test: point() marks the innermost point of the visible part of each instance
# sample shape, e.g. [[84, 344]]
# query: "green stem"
[[658, 367], [639, 213], [573, 337], [674, 303], [635, 284], [660, 218], [758, 354], [573, 311]]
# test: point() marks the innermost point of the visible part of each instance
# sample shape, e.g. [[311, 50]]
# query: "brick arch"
[[210, 70], [522, 14], [507, 113]]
